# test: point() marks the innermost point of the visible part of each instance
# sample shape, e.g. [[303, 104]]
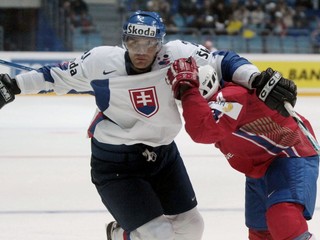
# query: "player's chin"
[[142, 64]]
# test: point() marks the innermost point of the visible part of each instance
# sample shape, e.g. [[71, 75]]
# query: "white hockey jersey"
[[131, 108]]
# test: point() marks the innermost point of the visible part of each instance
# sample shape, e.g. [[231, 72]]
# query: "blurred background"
[[246, 26]]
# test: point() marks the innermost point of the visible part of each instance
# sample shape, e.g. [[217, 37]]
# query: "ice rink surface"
[[46, 191]]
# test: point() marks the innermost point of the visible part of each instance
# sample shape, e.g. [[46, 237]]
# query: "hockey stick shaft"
[[303, 127], [15, 65]]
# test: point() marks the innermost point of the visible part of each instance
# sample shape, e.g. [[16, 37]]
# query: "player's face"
[[142, 50]]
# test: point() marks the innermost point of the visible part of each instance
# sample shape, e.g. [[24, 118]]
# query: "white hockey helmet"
[[208, 80]]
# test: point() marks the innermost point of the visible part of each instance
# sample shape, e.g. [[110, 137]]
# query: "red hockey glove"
[[182, 75], [274, 90]]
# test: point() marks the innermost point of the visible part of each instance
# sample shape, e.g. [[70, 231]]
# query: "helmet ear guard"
[[208, 81]]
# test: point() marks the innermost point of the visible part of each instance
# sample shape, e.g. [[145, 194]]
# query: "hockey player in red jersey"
[[280, 165]]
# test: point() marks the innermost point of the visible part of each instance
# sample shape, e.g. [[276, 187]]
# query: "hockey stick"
[[303, 128], [16, 65]]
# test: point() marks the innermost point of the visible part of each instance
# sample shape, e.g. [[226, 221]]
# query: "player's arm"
[[239, 70], [31, 82], [200, 120], [202, 123]]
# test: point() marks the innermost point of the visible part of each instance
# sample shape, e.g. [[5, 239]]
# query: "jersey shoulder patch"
[[231, 109]]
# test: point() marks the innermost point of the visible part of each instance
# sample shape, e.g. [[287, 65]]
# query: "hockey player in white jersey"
[[135, 164]]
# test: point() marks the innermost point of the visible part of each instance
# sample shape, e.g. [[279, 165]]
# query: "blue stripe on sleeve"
[[273, 149], [45, 70], [231, 61], [102, 93]]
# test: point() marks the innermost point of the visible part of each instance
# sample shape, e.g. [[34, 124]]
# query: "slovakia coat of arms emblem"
[[144, 101]]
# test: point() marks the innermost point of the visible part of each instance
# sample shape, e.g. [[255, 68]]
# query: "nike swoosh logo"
[[106, 73]]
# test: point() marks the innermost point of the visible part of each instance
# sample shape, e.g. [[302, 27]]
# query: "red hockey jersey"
[[246, 131]]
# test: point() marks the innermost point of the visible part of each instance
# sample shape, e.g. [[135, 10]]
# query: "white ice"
[[46, 192]]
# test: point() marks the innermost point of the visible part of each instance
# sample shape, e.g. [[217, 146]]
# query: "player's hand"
[[8, 88], [182, 75], [274, 90]]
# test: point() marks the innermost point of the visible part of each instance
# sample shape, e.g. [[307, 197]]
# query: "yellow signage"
[[305, 74]]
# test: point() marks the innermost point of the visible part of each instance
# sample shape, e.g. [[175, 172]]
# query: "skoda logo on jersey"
[[141, 30], [144, 101]]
